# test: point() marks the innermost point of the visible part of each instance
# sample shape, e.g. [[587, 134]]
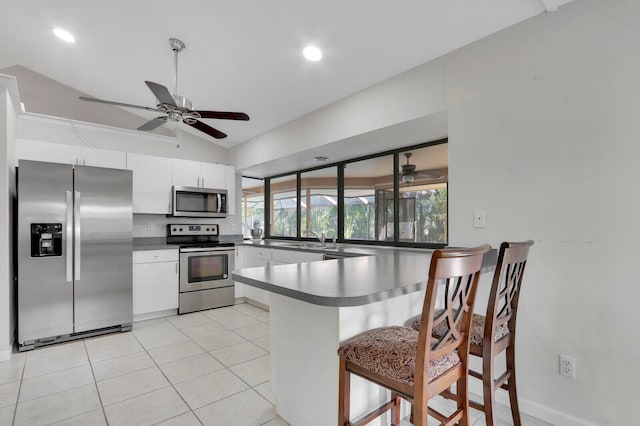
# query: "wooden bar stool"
[[495, 332], [411, 363]]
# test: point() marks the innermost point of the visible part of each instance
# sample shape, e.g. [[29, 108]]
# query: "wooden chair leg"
[[462, 393], [513, 393], [395, 410], [344, 389], [488, 390]]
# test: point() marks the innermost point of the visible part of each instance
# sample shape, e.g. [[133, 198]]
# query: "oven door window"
[[198, 202], [208, 268]]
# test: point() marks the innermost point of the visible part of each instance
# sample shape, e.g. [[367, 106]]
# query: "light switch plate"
[[479, 219]]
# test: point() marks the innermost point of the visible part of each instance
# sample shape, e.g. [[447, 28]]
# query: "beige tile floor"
[[204, 368]]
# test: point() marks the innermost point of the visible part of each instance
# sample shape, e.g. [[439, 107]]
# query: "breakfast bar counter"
[[316, 305]]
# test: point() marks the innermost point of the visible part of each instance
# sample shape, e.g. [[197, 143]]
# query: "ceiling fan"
[[408, 172], [174, 107]]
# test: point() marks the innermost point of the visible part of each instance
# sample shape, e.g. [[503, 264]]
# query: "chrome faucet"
[[321, 237]]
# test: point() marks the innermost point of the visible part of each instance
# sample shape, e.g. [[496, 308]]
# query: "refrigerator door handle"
[[76, 222], [69, 252]]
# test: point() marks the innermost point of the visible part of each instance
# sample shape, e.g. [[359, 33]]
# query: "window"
[[252, 207], [397, 197], [368, 199], [284, 210], [319, 202], [422, 205]]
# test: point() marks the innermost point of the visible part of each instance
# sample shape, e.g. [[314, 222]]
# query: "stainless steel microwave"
[[199, 202]]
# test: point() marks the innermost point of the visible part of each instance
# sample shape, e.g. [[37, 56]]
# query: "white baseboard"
[[5, 355], [534, 409], [154, 315]]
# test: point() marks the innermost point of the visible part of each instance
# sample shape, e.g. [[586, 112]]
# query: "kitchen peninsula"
[[316, 305]]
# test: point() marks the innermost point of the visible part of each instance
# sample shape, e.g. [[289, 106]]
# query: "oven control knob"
[[225, 276], [207, 229], [174, 229], [180, 229]]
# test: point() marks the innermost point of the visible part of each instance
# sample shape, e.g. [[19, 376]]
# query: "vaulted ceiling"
[[240, 55]]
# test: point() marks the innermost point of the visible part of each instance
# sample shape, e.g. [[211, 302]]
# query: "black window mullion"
[[340, 230], [299, 204], [396, 199], [267, 207]]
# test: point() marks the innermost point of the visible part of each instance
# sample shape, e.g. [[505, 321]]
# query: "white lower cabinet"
[[239, 264], [155, 281], [261, 257]]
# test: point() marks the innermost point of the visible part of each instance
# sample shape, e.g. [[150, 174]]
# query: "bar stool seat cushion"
[[477, 329], [391, 352]]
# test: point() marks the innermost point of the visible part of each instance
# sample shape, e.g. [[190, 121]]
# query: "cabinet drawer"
[[149, 256]]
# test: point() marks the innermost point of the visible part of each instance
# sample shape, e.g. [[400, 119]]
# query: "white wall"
[[8, 97], [544, 135], [416, 93]]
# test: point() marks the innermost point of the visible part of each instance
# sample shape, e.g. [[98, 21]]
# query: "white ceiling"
[[244, 55]]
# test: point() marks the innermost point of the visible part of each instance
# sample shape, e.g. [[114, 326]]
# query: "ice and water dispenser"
[[46, 239]]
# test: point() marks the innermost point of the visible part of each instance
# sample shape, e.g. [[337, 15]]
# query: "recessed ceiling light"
[[320, 158], [64, 35], [312, 53]]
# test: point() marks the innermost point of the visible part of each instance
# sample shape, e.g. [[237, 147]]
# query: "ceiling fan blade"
[[224, 115], [102, 101], [207, 129], [156, 122], [161, 93]]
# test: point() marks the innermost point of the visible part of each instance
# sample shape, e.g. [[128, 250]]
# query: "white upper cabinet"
[[186, 173], [230, 180], [198, 174], [71, 154], [213, 176], [151, 183]]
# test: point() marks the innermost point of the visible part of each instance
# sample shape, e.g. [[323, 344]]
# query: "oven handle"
[[201, 249]]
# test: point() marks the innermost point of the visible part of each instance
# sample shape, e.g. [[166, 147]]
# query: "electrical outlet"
[[567, 366]]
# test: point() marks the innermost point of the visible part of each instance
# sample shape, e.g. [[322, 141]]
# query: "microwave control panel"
[[46, 239]]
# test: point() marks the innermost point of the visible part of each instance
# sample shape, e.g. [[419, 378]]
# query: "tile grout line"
[[228, 368], [15, 409], [166, 378], [95, 383]]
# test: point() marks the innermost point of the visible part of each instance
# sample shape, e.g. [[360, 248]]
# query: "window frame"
[[340, 166]]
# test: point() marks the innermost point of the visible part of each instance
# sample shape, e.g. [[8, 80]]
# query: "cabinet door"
[[239, 264], [103, 158], [151, 183], [155, 287], [230, 172], [53, 152], [213, 175], [186, 173]]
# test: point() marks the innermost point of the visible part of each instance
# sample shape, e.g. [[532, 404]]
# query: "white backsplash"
[[155, 225]]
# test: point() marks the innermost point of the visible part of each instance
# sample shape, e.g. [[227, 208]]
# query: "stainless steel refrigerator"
[[75, 226]]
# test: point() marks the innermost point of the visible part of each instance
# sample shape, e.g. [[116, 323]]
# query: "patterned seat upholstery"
[[477, 329], [391, 352]]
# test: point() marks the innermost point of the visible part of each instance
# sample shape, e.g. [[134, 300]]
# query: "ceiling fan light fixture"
[[408, 179], [312, 53], [64, 35]]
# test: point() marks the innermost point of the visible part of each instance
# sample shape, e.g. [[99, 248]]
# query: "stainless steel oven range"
[[205, 267]]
